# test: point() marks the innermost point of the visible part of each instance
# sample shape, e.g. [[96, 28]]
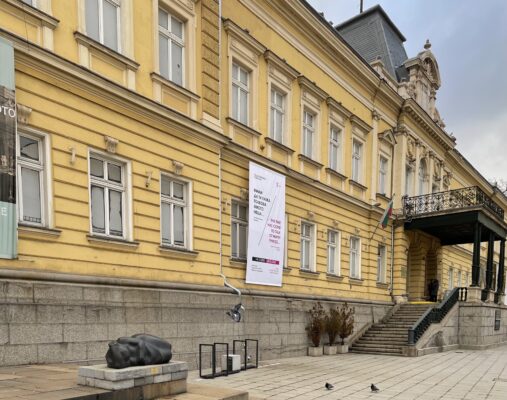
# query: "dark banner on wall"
[[8, 220]]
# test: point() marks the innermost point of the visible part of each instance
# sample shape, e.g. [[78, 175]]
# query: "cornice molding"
[[110, 92], [281, 64], [338, 107], [305, 83], [359, 123], [244, 36], [414, 111]]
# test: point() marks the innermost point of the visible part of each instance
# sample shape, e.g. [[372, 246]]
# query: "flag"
[[384, 221]]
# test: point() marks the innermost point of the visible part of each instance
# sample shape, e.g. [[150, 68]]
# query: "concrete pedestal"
[[156, 380], [474, 294]]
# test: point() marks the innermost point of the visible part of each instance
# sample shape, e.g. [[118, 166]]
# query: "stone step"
[[208, 392], [383, 339], [377, 345], [386, 337], [394, 325], [374, 350]]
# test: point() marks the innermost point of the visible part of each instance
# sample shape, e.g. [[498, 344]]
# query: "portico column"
[[489, 265], [501, 273], [476, 261]]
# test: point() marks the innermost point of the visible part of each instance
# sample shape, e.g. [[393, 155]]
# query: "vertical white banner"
[[266, 226]]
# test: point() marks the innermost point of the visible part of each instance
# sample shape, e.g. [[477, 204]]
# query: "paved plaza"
[[460, 374]]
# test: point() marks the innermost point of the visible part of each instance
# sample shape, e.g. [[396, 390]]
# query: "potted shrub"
[[345, 324], [315, 328], [331, 327]]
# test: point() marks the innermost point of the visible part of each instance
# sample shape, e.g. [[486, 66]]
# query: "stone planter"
[[315, 351], [342, 348], [330, 350]]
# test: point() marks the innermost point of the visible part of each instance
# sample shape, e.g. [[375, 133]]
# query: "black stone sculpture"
[[140, 349]]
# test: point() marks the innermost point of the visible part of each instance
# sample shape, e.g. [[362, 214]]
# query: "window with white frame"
[[171, 46], [30, 180], [335, 152], [307, 245], [108, 190], [103, 22], [357, 154], [333, 252], [381, 263], [308, 133], [239, 230], [174, 201], [459, 278], [277, 115], [383, 175], [451, 279], [30, 2], [355, 257], [240, 93]]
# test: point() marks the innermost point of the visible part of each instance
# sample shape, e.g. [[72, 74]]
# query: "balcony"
[[452, 200], [452, 216]]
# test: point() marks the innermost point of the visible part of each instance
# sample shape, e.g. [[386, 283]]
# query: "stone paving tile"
[[460, 374]]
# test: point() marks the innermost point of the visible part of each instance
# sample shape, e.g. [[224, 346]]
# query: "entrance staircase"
[[390, 336]]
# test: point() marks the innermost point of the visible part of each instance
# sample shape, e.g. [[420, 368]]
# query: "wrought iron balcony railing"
[[450, 200]]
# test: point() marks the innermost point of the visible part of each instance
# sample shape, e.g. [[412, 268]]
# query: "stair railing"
[[432, 316]]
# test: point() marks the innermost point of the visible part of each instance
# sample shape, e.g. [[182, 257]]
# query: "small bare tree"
[[345, 321], [316, 324]]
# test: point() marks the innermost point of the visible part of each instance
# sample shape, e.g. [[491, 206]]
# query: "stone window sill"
[[309, 274], [355, 281], [93, 44], [180, 89], [238, 261], [336, 173], [104, 241], [357, 184], [286, 270], [383, 196], [45, 19], [333, 277], [308, 160], [177, 252], [31, 231], [242, 126], [281, 146], [382, 285]]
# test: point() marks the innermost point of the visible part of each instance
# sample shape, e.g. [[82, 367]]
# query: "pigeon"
[[374, 388], [328, 386]]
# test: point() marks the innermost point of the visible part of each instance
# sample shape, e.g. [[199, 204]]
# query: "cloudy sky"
[[469, 40]]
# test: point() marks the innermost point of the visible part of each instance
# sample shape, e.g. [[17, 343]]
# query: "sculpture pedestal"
[[154, 380], [474, 294]]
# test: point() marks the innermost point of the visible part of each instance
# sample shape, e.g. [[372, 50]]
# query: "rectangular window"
[[171, 45], [308, 133], [103, 22], [240, 92], [382, 177], [335, 149], [355, 258], [174, 212], [31, 188], [459, 278], [451, 278], [277, 115], [108, 192], [357, 153], [307, 244], [333, 252], [409, 180], [30, 2], [239, 230], [381, 264]]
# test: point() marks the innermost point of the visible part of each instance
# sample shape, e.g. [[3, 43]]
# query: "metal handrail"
[[452, 199], [431, 316]]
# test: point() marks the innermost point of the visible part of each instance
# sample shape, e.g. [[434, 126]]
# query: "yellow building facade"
[[137, 121]]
